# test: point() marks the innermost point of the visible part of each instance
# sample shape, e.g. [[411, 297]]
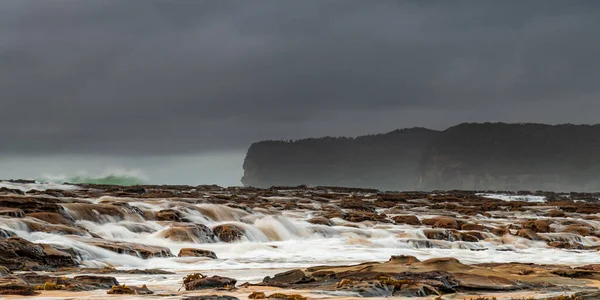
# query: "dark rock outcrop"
[[470, 156], [384, 161]]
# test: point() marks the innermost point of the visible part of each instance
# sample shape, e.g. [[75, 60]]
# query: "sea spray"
[[114, 176]]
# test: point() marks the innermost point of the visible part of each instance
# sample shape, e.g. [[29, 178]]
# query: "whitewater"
[[275, 240]]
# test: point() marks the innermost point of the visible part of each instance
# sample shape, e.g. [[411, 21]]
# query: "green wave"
[[109, 179], [113, 177]]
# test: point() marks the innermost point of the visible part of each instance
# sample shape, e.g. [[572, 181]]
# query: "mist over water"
[[223, 169]]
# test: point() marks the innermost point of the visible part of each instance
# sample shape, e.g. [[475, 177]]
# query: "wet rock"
[[78, 283], [476, 227], [59, 256], [190, 233], [31, 204], [442, 234], [478, 235], [445, 264], [356, 204], [320, 221], [135, 249], [17, 253], [52, 218], [588, 210], [334, 213], [500, 231], [383, 203], [228, 232], [556, 213], [529, 234], [566, 245], [257, 295], [281, 296], [169, 215], [215, 282], [489, 283], [582, 230], [441, 222], [11, 285], [129, 290], [362, 216], [191, 252], [101, 213], [41, 226], [403, 259], [407, 219], [96, 282], [537, 226], [287, 278], [415, 290], [370, 288], [11, 191], [11, 212]]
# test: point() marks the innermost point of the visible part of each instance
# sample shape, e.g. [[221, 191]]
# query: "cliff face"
[[385, 161], [468, 156], [513, 157]]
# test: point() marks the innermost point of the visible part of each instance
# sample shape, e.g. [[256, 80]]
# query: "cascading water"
[[271, 239]]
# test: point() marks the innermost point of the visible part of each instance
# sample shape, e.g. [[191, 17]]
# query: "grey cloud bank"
[[161, 78]]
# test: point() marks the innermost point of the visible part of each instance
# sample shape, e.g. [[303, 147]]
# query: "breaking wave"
[[112, 177]]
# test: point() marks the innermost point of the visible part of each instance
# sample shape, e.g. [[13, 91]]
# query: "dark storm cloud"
[[156, 77]]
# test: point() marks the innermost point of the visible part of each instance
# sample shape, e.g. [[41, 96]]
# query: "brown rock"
[[500, 231], [441, 222], [416, 290], [582, 230], [480, 282], [286, 296], [320, 221], [169, 215], [228, 232], [556, 213], [403, 259], [442, 234], [257, 295], [97, 282], [210, 283], [17, 253], [407, 219], [191, 252], [476, 227], [356, 204], [566, 245], [15, 286], [286, 278], [189, 233], [129, 290], [11, 212], [135, 249], [35, 225], [528, 234], [52, 218], [537, 225]]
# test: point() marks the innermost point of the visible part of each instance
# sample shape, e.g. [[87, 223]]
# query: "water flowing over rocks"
[[296, 242]]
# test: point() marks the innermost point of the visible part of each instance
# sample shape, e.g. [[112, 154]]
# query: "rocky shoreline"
[[91, 239]]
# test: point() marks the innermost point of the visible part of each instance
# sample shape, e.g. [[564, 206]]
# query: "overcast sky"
[[179, 89]]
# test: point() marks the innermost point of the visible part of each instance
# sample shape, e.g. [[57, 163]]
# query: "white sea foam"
[[39, 186], [506, 197]]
